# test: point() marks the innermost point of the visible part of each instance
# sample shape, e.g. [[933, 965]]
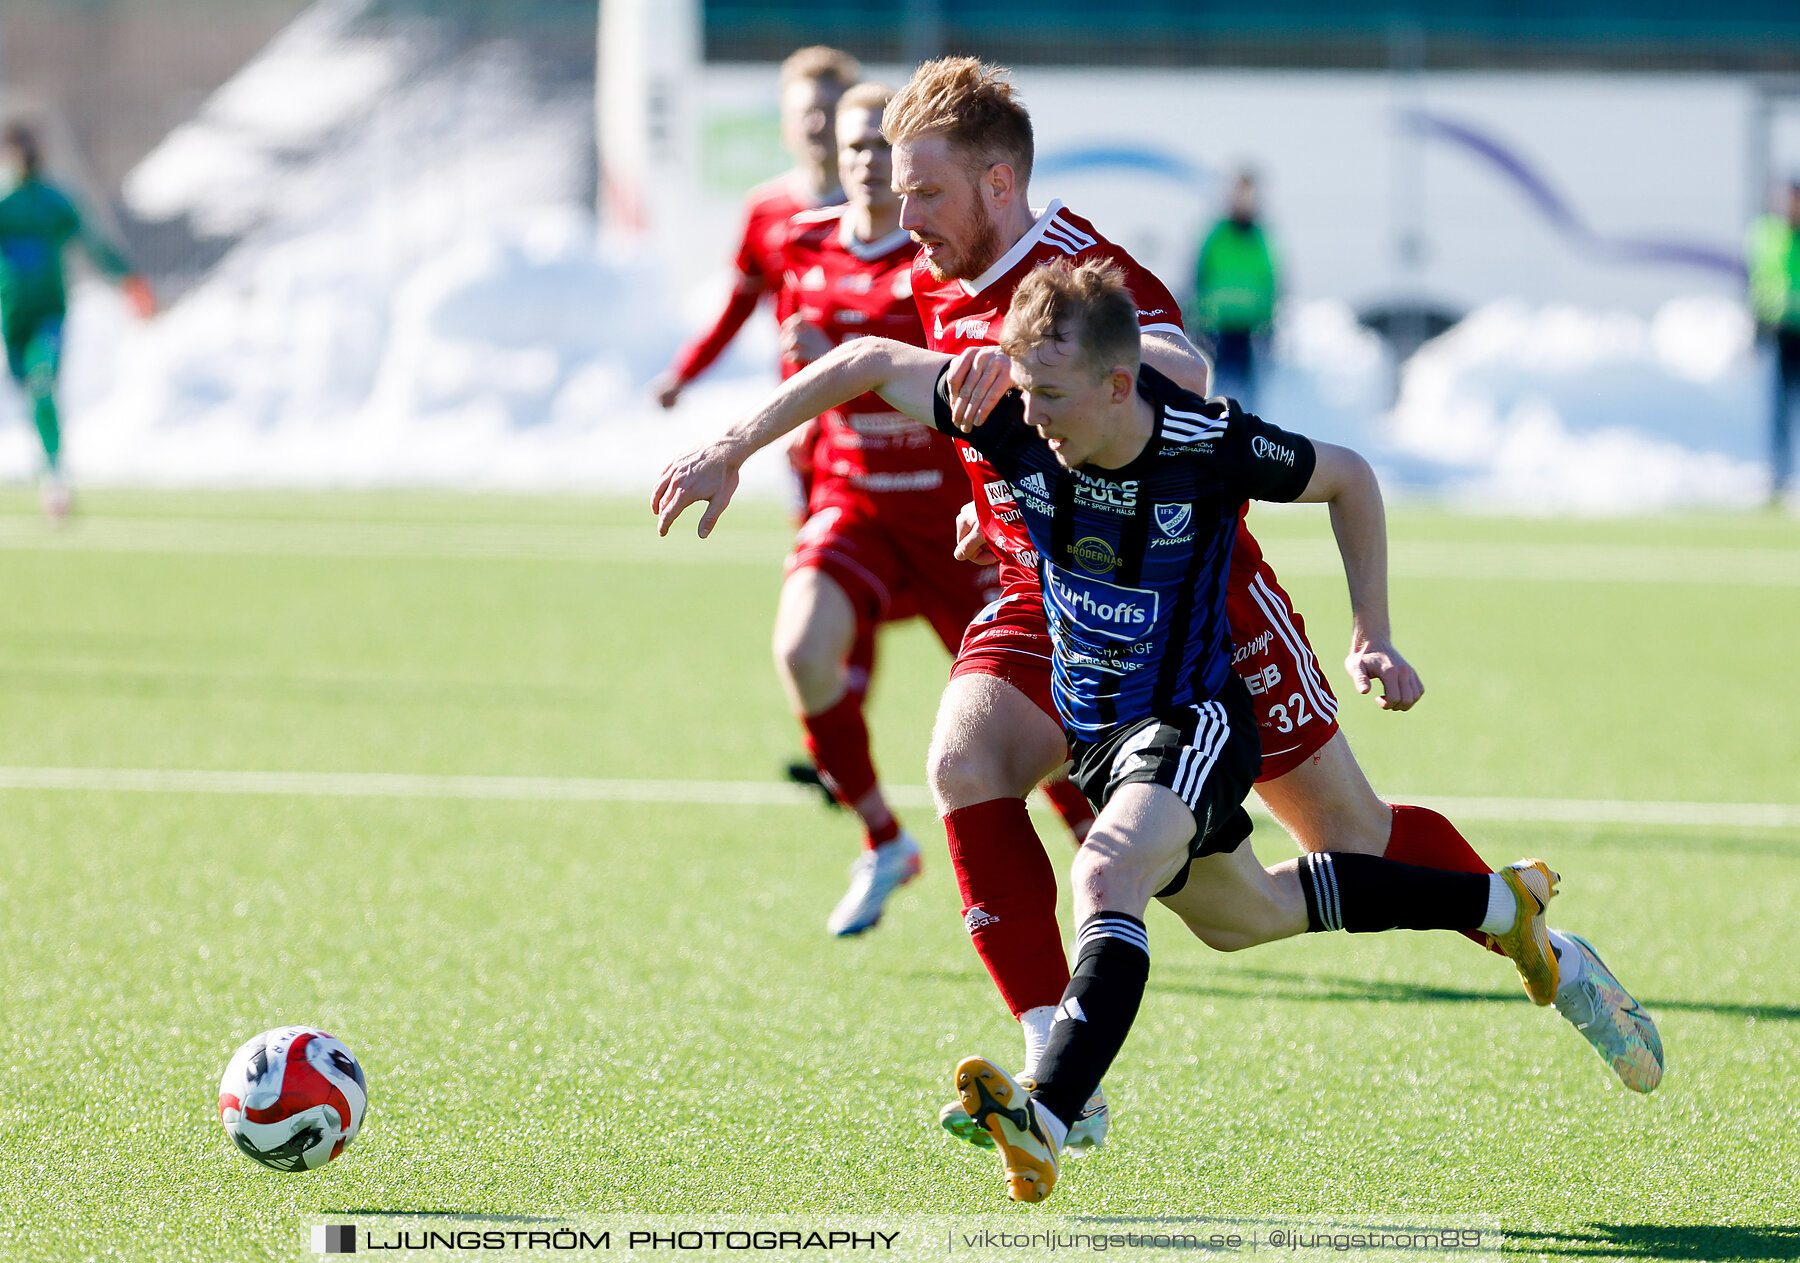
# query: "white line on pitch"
[[765, 546], [776, 794]]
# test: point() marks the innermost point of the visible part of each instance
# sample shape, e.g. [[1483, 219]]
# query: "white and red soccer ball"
[[293, 1098]]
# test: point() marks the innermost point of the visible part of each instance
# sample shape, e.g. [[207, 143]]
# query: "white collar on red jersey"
[[869, 251], [1065, 236]]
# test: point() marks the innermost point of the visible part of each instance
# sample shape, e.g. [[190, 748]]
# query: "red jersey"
[[868, 456], [759, 268], [959, 314]]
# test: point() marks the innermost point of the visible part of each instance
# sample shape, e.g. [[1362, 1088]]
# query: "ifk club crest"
[[1174, 519]]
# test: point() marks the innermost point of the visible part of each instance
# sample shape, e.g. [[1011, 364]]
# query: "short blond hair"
[[1088, 304], [822, 64], [866, 96], [973, 105]]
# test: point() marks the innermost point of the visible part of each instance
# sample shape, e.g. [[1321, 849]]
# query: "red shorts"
[[890, 573], [1010, 641], [1296, 713]]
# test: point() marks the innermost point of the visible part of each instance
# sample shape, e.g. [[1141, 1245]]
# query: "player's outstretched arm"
[[1178, 359], [903, 375], [1343, 479]]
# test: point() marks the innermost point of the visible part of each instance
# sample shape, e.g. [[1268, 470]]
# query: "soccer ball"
[[293, 1098]]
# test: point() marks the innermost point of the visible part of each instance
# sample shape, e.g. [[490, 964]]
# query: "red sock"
[[1423, 837], [1071, 804], [838, 741], [1008, 890]]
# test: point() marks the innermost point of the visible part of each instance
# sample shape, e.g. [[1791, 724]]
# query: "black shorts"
[[1207, 755]]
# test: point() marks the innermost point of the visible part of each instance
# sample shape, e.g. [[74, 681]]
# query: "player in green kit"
[[37, 224]]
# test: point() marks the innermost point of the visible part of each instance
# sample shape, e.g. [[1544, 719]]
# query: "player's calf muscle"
[[1327, 804], [1231, 902]]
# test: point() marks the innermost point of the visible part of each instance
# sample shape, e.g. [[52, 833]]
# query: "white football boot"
[[874, 876], [1609, 1018]]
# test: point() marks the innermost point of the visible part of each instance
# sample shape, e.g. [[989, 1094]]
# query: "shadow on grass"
[[1715, 1243], [1286, 985]]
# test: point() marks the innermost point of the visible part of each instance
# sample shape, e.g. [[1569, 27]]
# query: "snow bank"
[[1558, 409], [415, 295]]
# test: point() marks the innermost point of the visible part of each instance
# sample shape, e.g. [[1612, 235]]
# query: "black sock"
[[1112, 961], [1365, 894]]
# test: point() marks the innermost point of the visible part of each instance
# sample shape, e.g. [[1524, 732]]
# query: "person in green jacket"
[[1773, 255], [37, 223], [1235, 283]]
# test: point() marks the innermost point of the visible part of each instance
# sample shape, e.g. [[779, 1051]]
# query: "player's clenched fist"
[[802, 342], [1401, 686]]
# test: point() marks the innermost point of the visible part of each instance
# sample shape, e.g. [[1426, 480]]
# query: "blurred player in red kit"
[[881, 509], [812, 81]]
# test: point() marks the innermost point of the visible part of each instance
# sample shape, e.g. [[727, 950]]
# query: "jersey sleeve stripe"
[[1162, 328], [1176, 432], [1063, 229], [1011, 259]]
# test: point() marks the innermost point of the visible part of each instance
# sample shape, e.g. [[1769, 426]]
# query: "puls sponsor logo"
[[1268, 450], [1102, 493]]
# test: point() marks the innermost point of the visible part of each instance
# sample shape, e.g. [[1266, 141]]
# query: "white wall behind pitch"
[[1657, 156]]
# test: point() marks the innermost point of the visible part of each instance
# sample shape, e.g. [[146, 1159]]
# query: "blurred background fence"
[[1740, 35]]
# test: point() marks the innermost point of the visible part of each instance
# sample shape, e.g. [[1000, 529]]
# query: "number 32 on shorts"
[[1284, 722]]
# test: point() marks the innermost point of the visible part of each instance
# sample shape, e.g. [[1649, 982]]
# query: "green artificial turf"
[[613, 1008]]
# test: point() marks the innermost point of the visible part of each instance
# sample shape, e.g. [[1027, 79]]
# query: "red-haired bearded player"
[[881, 512], [962, 161]]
